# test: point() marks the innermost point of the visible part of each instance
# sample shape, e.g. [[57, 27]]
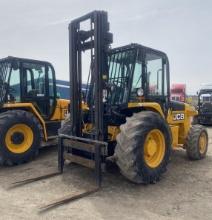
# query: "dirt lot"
[[184, 192]]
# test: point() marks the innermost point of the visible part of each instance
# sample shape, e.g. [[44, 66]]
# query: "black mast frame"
[[97, 40]]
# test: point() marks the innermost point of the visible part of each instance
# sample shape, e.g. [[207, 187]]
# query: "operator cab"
[[28, 81], [138, 74]]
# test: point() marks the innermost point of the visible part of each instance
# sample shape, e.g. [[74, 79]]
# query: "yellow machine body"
[[59, 114], [179, 121]]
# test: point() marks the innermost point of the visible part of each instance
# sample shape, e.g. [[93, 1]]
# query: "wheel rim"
[[202, 143], [19, 138], [154, 148]]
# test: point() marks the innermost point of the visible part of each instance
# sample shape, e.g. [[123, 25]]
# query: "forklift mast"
[[97, 39]]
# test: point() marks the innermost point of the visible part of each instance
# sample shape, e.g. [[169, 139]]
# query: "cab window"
[[154, 68], [137, 82], [35, 77], [14, 84], [51, 81]]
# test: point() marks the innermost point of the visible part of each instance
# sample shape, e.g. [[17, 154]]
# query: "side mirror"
[[197, 93]]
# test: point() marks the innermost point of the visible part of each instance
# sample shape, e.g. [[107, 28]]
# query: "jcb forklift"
[[126, 116], [30, 111]]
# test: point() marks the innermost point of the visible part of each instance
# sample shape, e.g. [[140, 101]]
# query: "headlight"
[[140, 92]]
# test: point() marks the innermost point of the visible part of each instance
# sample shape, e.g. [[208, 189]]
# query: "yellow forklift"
[[30, 111], [127, 116]]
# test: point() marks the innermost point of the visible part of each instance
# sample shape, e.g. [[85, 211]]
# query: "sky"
[[38, 29]]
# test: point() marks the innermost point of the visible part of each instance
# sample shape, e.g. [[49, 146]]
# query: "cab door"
[[157, 78], [39, 86]]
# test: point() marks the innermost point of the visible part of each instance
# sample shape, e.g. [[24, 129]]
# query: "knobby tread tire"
[[192, 142], [130, 147], [9, 119]]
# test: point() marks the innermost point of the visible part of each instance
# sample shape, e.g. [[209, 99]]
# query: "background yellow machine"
[[129, 117], [30, 112]]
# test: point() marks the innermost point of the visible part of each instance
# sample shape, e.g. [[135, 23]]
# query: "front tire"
[[20, 137], [143, 147]]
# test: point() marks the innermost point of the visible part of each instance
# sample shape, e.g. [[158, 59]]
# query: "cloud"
[[38, 29], [60, 21]]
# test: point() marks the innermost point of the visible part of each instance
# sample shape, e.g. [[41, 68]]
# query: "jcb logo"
[[179, 116]]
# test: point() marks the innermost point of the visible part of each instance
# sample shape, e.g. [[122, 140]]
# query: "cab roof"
[[11, 58]]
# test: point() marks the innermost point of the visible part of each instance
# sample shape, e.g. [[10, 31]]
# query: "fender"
[[153, 106], [32, 109]]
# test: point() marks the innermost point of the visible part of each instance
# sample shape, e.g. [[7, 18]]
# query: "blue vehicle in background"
[[63, 89]]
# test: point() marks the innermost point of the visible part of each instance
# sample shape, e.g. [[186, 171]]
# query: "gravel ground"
[[184, 192]]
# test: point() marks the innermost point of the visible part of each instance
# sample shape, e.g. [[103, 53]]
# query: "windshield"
[[175, 98], [177, 90], [5, 68], [9, 82], [205, 97], [121, 68]]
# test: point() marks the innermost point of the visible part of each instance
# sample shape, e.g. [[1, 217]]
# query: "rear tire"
[[195, 120], [197, 142], [20, 137], [132, 155]]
